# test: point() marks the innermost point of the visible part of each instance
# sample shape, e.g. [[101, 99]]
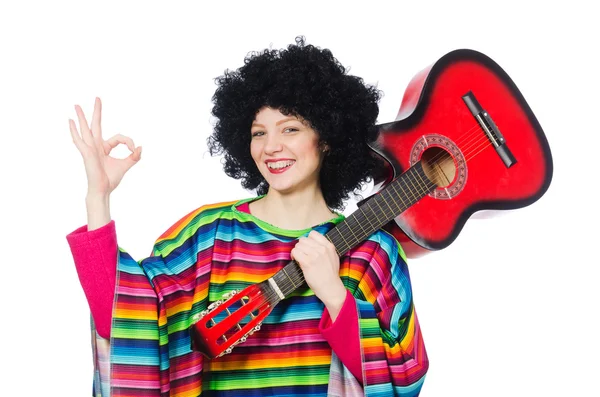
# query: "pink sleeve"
[[343, 336], [95, 256]]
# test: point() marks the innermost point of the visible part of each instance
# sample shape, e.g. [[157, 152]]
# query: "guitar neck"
[[372, 215]]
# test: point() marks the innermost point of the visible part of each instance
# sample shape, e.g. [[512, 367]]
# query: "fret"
[[419, 180], [329, 238], [403, 189], [348, 226], [412, 197], [403, 194], [413, 185], [341, 234], [289, 278], [389, 197], [335, 240], [395, 187], [355, 225], [368, 203], [376, 201], [429, 185], [368, 219], [422, 181], [360, 224], [414, 182], [415, 179], [387, 203]]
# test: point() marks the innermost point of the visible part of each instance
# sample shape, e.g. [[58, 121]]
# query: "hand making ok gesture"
[[103, 171]]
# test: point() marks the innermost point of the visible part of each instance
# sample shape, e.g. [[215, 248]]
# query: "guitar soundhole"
[[439, 166], [443, 163]]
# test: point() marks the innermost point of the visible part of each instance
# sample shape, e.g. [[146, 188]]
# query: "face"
[[286, 151]]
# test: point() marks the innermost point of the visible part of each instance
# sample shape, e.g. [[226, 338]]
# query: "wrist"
[[96, 197], [98, 210], [335, 300]]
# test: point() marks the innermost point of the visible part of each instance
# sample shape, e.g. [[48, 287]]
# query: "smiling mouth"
[[279, 166]]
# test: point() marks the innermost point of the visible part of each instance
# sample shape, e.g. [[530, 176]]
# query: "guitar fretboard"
[[373, 214]]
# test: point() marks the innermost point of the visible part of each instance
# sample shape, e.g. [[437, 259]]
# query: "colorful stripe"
[[217, 248]]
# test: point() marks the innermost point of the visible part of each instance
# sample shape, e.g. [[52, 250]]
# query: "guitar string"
[[468, 156], [298, 275], [468, 139], [476, 146], [296, 271], [444, 157], [468, 136]]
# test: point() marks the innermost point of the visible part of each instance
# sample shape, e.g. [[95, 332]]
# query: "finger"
[[316, 236], [132, 159], [86, 135], [137, 154], [96, 118], [308, 245], [75, 136], [114, 141], [310, 251], [318, 242], [305, 244], [322, 242], [299, 251], [304, 259], [297, 255]]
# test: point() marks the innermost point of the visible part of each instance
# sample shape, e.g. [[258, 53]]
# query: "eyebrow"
[[286, 120], [277, 123]]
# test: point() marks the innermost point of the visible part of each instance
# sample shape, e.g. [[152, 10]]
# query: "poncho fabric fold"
[[216, 249]]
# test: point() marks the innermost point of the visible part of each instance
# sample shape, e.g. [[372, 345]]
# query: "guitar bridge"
[[489, 127]]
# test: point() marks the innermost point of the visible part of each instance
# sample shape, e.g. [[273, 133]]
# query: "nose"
[[273, 144]]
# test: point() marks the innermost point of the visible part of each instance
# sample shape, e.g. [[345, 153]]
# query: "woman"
[[294, 126]]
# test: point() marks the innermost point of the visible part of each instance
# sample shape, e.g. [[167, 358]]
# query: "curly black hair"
[[307, 82]]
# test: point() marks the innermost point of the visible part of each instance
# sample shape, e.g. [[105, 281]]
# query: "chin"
[[279, 184], [281, 188]]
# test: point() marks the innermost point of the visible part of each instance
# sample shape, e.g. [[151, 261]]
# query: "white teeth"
[[279, 164]]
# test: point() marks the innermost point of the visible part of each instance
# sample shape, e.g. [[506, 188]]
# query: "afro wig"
[[309, 83]]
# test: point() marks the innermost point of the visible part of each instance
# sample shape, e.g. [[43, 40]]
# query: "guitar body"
[[434, 120]]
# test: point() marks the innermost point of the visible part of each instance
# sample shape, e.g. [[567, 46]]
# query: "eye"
[[291, 129], [257, 133]]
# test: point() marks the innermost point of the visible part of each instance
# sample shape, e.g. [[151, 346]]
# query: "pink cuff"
[[95, 256], [343, 337]]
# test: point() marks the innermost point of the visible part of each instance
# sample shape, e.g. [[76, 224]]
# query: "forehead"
[[268, 115]]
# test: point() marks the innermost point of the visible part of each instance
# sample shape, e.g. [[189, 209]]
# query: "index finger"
[[86, 135], [318, 237], [96, 117]]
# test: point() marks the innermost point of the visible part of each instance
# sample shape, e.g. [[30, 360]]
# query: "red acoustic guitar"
[[464, 140]]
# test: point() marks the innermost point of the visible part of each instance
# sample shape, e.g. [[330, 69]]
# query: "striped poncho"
[[218, 248]]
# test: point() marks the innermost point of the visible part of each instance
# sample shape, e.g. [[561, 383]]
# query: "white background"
[[511, 308]]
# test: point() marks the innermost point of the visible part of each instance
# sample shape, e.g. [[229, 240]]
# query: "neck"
[[301, 210]]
